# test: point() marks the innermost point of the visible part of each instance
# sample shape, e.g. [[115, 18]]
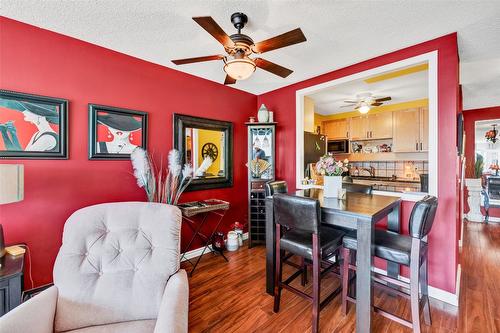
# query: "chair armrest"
[[35, 315], [174, 308]]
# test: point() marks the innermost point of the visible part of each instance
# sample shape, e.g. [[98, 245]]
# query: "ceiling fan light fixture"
[[364, 108], [239, 69]]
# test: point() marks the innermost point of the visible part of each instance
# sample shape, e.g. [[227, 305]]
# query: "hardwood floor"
[[230, 297]]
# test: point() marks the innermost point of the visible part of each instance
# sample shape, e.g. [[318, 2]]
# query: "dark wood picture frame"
[[62, 135], [94, 109], [181, 122]]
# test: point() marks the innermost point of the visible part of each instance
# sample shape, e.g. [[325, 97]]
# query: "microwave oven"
[[338, 146]]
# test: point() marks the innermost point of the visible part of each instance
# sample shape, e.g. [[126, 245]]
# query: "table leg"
[[364, 262], [196, 232], [393, 225], [270, 247], [207, 244]]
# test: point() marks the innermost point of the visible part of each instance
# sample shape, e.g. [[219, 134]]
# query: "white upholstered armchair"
[[117, 271]]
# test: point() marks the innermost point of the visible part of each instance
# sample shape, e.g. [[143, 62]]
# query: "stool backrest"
[[276, 186], [422, 216], [360, 188], [297, 212]]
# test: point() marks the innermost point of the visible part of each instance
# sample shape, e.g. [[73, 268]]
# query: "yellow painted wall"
[[308, 115], [318, 120], [206, 136], [420, 103]]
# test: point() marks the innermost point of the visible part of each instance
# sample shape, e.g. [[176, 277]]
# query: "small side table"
[[205, 207], [11, 282]]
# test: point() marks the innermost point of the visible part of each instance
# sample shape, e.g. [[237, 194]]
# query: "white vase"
[[332, 186], [474, 200], [263, 114]]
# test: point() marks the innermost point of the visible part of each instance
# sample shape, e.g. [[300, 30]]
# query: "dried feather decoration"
[[165, 186]]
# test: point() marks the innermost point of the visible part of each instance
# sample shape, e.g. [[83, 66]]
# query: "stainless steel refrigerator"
[[314, 148]]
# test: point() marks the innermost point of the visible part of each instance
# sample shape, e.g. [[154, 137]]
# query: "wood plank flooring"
[[230, 297]]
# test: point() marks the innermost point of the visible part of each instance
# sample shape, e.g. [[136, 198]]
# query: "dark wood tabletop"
[[355, 204], [11, 265]]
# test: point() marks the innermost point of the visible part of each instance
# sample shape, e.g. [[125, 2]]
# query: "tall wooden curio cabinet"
[[261, 169]]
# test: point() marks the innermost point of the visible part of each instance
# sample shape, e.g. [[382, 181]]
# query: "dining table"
[[357, 211]]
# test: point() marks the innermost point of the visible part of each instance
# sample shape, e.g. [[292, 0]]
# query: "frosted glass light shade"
[[11, 183], [364, 109], [239, 69]]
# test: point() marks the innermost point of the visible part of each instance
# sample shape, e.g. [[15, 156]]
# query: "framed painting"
[[114, 133], [32, 126]]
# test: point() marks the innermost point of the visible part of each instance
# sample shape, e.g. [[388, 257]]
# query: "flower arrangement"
[[491, 135], [164, 185], [329, 166]]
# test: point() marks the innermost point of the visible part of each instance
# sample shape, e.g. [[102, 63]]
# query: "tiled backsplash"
[[402, 169]]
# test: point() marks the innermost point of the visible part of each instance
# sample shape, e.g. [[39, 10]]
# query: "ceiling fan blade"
[[286, 39], [271, 67], [382, 99], [229, 80], [197, 59], [209, 24], [376, 104], [352, 102], [346, 106]]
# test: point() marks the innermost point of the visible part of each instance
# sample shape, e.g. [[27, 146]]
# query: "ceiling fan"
[[237, 63], [365, 101]]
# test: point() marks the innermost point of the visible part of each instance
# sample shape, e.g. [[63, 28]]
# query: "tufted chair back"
[[114, 263]]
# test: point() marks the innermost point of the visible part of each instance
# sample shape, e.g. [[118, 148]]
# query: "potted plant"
[[332, 171], [474, 189]]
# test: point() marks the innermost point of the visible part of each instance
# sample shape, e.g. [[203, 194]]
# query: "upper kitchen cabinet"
[[380, 125], [358, 129], [411, 130], [424, 129], [374, 126], [336, 129]]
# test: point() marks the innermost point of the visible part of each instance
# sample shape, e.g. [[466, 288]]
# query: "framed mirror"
[[207, 145]]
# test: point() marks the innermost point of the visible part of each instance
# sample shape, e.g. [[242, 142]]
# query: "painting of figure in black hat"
[[32, 126], [114, 132]]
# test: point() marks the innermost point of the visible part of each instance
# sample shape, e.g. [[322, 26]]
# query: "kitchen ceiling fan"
[[237, 63], [365, 101]]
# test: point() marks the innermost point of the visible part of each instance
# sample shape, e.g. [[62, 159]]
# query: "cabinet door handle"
[[371, 134], [416, 145], [347, 134], [421, 146]]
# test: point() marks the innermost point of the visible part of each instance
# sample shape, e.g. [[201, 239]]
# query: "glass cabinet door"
[[261, 152]]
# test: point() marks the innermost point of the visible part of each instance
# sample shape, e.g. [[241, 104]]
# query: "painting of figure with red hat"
[[115, 133], [32, 126]]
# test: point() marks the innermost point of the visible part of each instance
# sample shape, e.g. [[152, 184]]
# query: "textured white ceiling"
[[339, 33], [401, 89]]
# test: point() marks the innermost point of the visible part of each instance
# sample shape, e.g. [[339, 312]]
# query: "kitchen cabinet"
[[373, 126], [411, 130], [380, 125], [424, 129], [336, 129], [358, 129]]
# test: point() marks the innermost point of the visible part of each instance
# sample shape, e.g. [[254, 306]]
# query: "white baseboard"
[[439, 294], [197, 252]]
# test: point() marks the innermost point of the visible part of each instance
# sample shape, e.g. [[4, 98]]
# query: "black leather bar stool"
[[405, 250], [359, 188], [276, 186], [305, 237]]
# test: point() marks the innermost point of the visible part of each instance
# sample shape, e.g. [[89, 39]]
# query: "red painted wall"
[[443, 240], [38, 61], [470, 118]]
